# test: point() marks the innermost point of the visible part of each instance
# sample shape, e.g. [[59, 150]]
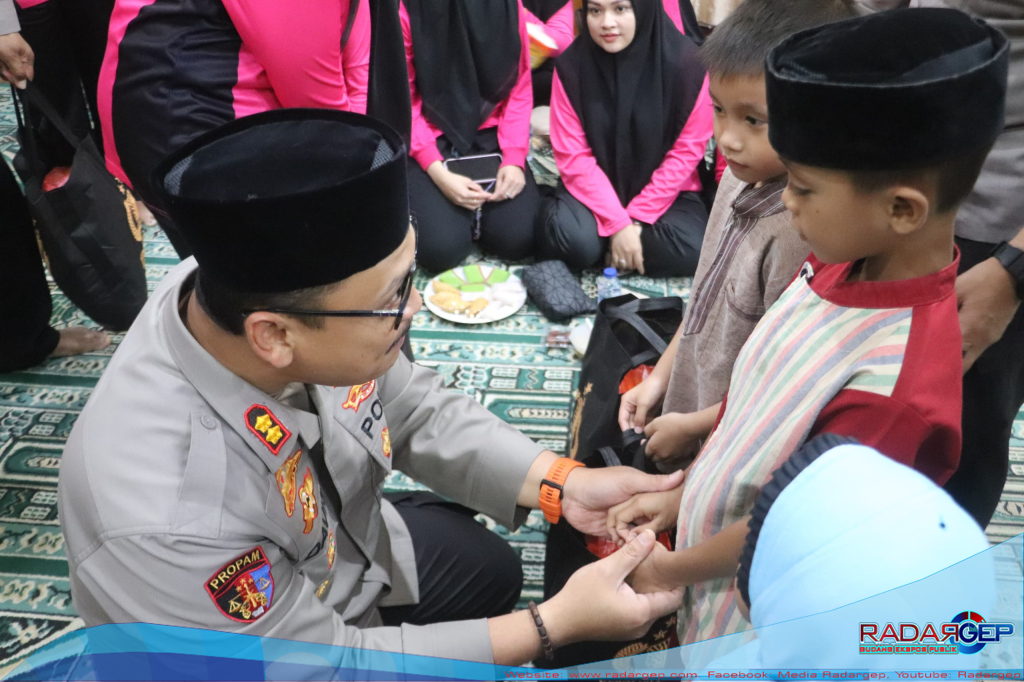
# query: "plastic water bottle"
[[608, 285]]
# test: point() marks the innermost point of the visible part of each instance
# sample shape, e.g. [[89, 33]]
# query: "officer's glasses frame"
[[404, 292]]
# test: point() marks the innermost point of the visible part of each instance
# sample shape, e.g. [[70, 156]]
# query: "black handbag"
[[555, 291], [568, 550], [89, 227], [628, 332]]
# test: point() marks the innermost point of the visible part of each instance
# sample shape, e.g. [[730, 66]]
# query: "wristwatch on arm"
[[1012, 260], [551, 487]]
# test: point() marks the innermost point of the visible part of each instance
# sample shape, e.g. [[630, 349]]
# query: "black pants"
[[69, 38], [446, 231], [993, 394], [567, 231], [465, 570], [26, 337]]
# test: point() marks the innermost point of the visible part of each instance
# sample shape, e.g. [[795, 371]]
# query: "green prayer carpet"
[[504, 365]]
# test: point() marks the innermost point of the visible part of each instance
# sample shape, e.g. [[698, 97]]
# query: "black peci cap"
[[902, 89], [290, 198]]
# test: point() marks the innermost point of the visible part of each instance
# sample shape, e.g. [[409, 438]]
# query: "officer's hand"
[[597, 604], [588, 494], [16, 60], [988, 301], [458, 189]]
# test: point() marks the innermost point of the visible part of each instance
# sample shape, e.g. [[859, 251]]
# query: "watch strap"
[[1012, 260], [551, 487]]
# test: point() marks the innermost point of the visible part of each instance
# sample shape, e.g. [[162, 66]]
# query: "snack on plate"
[[473, 288], [450, 278], [498, 276], [445, 298], [477, 306], [444, 288], [473, 274]]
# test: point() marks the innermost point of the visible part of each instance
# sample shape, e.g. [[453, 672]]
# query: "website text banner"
[[962, 623]]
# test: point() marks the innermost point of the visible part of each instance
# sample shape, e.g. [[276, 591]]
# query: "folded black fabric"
[[555, 291]]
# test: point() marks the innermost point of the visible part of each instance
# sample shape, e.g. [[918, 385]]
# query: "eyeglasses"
[[404, 291]]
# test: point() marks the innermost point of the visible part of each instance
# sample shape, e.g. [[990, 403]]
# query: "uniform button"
[[209, 422]]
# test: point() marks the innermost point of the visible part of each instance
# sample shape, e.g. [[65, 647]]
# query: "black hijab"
[[466, 54], [633, 104], [544, 9]]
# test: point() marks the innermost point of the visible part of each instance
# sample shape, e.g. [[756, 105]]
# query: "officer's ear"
[[269, 337]]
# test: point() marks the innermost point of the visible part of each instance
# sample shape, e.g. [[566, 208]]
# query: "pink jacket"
[[587, 182], [559, 27], [512, 117], [289, 56]]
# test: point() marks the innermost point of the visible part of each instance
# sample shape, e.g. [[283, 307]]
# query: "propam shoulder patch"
[[243, 588]]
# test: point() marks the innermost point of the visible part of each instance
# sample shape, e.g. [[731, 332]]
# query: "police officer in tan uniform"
[[228, 470]]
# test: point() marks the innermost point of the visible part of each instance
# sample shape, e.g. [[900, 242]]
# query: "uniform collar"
[[270, 427]]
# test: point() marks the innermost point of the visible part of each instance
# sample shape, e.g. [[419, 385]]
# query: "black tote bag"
[[567, 550], [89, 227], [628, 332]]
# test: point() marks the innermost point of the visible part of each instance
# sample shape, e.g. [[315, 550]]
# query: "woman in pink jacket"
[[175, 69], [630, 121], [469, 77]]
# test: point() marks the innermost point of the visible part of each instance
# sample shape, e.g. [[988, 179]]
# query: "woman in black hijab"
[[469, 75], [630, 121]]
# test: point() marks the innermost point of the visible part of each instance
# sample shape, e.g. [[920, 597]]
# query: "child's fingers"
[[625, 511]]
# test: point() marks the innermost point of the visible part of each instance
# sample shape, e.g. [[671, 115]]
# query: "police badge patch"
[[286, 481], [358, 394], [268, 428], [307, 497], [243, 588]]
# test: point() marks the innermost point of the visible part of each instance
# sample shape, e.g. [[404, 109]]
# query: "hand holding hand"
[[654, 574], [588, 494], [511, 181], [639, 402], [16, 60], [626, 252], [649, 511], [987, 300], [458, 189], [597, 604]]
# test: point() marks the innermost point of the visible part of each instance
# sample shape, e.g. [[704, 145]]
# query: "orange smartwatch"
[[551, 487]]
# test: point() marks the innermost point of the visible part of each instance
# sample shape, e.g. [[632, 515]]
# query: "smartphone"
[[479, 169]]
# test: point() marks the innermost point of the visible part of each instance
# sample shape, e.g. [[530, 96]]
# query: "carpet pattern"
[[506, 366]]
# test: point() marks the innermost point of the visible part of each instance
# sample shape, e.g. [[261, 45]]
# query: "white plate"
[[495, 311]]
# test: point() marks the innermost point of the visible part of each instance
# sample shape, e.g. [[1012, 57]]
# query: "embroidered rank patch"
[[332, 549], [385, 442], [286, 481], [243, 589], [267, 428], [358, 394], [308, 499], [323, 588]]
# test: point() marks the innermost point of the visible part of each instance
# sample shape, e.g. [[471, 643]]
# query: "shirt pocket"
[[744, 304]]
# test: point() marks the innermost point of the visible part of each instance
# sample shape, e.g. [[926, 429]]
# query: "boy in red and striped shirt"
[[866, 340]]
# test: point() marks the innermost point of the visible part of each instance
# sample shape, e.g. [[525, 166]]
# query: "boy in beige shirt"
[[750, 252]]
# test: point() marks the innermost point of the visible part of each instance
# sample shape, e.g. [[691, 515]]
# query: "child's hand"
[[675, 436], [657, 511], [638, 403], [654, 574]]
